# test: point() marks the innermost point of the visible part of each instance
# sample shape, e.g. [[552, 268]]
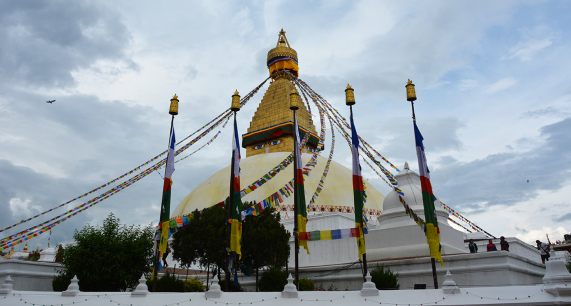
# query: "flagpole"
[[234, 107], [173, 110], [350, 100], [411, 97], [293, 106]]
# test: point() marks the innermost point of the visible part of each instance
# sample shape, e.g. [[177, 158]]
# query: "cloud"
[[501, 179], [533, 41], [44, 42], [565, 217], [467, 84], [547, 111], [539, 234], [500, 85]]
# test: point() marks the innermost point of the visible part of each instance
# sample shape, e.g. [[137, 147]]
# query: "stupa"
[[269, 140]]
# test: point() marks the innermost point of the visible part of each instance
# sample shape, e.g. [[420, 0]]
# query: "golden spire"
[[26, 247]]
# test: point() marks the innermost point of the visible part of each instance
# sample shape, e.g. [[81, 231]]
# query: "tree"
[[108, 258], [264, 242], [204, 240]]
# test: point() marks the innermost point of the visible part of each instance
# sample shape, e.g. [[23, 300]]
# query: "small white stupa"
[[398, 236]]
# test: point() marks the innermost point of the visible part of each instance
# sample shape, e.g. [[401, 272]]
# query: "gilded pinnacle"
[[348, 86], [409, 82], [236, 92], [175, 97]]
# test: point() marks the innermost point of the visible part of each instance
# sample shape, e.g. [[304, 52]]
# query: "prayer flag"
[[326, 235], [164, 237], [166, 201], [236, 208], [432, 231], [336, 234], [357, 189], [299, 186]]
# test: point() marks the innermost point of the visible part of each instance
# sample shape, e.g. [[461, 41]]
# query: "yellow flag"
[[301, 227], [433, 240], [236, 237], [164, 237], [361, 240]]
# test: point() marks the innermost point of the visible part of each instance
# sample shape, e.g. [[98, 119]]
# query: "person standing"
[[504, 245], [165, 255], [544, 250], [491, 246], [472, 246]]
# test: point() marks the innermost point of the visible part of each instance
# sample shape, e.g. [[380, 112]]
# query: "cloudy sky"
[[492, 80]]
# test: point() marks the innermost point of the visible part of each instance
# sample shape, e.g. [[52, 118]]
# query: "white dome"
[[409, 183], [337, 189]]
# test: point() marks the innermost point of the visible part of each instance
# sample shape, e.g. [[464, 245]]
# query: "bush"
[[193, 285], [61, 282], [306, 284], [384, 279], [273, 280], [167, 283], [108, 258], [568, 262], [232, 287]]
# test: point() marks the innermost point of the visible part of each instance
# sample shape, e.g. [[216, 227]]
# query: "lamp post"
[[350, 101], [164, 215], [411, 96], [235, 107], [293, 105]]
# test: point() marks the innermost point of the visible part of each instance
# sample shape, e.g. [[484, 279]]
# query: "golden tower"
[[271, 128]]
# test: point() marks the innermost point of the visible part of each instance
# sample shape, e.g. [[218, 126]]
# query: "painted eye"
[[258, 147], [275, 142]]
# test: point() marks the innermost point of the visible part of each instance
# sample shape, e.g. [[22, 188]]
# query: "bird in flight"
[[50, 102]]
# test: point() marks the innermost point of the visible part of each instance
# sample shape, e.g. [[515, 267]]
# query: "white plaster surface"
[[29, 275], [516, 295]]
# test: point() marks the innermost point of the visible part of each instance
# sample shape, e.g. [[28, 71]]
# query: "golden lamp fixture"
[[235, 101], [349, 95], [174, 106], [410, 93], [293, 104]]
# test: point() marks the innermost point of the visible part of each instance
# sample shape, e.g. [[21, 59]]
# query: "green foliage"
[[60, 283], [264, 241], [204, 241], [231, 286], [306, 284], [568, 262], [273, 280], [384, 279], [108, 258], [193, 285], [167, 283], [34, 256]]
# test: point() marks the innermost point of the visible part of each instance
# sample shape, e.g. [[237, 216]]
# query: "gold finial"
[[26, 247], [349, 95], [293, 105], [235, 101], [174, 106], [410, 92], [38, 249]]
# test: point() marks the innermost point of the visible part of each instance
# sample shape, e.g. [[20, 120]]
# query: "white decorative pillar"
[[557, 279], [369, 288], [290, 291], [73, 288], [7, 286], [449, 285], [214, 291], [142, 289]]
